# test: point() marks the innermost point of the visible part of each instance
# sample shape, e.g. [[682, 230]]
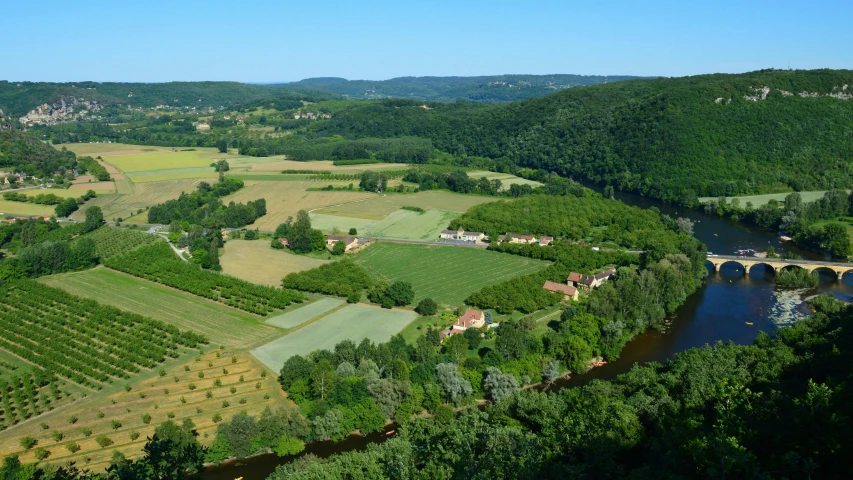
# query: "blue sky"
[[253, 41]]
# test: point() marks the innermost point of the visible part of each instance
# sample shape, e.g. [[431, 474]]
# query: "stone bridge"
[[778, 263]]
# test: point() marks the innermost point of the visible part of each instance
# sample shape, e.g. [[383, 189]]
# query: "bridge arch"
[[765, 265]]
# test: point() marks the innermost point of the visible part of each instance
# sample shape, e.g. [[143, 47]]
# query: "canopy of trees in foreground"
[[781, 407]]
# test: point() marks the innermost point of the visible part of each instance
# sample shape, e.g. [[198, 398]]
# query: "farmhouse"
[[349, 242], [470, 319], [568, 291], [284, 243], [517, 238], [461, 234], [590, 281], [202, 126], [545, 241]]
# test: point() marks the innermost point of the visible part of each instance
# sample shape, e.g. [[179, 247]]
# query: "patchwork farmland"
[[227, 325], [444, 273]]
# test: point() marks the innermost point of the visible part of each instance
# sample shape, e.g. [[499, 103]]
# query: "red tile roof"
[[560, 288], [468, 318]]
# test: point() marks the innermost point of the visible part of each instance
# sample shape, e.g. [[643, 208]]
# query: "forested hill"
[[671, 138], [24, 152], [18, 98], [495, 88]]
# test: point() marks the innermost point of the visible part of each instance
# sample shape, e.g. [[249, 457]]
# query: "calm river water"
[[718, 311]]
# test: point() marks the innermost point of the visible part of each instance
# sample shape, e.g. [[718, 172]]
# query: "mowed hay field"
[[255, 261], [759, 200], [24, 208], [401, 224], [220, 323], [158, 396], [284, 199], [140, 158], [506, 179], [379, 207], [353, 322], [143, 195], [447, 274]]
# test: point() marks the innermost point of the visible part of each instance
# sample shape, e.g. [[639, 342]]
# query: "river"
[[730, 306]]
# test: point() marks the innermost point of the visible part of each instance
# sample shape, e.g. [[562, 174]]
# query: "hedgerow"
[[157, 262]]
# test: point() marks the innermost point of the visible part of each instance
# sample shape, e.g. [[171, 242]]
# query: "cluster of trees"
[[25, 152], [82, 340], [359, 386], [589, 218], [798, 219], [44, 248], [204, 207], [301, 237], [710, 412], [92, 167], [342, 279], [157, 262], [396, 294], [301, 148]]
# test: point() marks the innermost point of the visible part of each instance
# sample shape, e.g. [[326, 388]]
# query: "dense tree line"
[[205, 208], [341, 279], [666, 138], [400, 150]]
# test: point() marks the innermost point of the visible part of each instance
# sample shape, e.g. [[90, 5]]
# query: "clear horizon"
[[255, 42]]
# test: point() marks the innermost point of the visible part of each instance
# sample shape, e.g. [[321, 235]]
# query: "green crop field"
[[759, 200], [354, 322], [302, 314], [446, 274], [220, 323]]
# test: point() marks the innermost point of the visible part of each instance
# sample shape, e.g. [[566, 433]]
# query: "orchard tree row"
[[80, 339], [157, 262]]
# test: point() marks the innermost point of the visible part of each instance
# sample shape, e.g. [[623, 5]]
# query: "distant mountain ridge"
[[492, 89]]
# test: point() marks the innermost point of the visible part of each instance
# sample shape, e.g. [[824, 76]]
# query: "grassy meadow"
[[255, 261], [353, 322], [179, 393], [228, 326], [447, 274], [759, 200], [24, 208]]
